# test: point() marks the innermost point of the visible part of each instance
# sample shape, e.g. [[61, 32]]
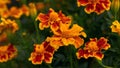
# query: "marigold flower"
[[98, 6], [7, 52], [42, 52], [68, 36], [15, 12], [115, 27], [93, 48], [52, 20], [8, 24], [25, 10]]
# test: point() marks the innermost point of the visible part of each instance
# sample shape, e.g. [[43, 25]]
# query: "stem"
[[37, 31], [71, 62], [104, 66]]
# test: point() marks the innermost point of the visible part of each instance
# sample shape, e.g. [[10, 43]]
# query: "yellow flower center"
[[39, 48], [53, 17], [92, 46]]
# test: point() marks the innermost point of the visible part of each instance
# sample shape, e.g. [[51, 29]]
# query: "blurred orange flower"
[[115, 27], [7, 52], [15, 12], [8, 25], [25, 10], [98, 6], [42, 52], [93, 48]]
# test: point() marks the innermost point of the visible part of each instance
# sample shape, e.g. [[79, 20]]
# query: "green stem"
[[70, 56], [37, 31], [104, 66], [115, 16]]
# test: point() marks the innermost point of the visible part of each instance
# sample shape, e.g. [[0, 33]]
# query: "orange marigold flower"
[[8, 24], [25, 10], [98, 6], [93, 48], [15, 12], [68, 36], [7, 52], [42, 52], [52, 19], [115, 27]]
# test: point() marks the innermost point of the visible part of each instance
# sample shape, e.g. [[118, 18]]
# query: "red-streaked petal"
[[36, 58], [50, 49], [42, 17], [99, 8], [78, 42], [102, 43], [99, 55], [90, 8], [3, 58], [82, 2], [106, 46], [63, 18], [80, 53], [48, 57], [106, 4]]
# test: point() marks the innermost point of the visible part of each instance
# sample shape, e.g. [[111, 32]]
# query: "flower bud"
[[115, 5]]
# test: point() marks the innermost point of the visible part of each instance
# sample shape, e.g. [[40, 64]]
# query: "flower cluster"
[[93, 48], [97, 6], [63, 35], [16, 12], [7, 52]]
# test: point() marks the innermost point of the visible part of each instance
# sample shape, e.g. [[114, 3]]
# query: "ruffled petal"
[[106, 4], [78, 42], [99, 55], [90, 8], [82, 2], [36, 58], [99, 8], [48, 57], [80, 53]]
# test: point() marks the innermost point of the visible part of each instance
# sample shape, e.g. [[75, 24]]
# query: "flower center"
[[92, 46]]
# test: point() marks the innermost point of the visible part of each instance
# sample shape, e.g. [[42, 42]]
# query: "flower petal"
[[48, 57], [90, 8], [82, 2], [99, 55], [99, 8]]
